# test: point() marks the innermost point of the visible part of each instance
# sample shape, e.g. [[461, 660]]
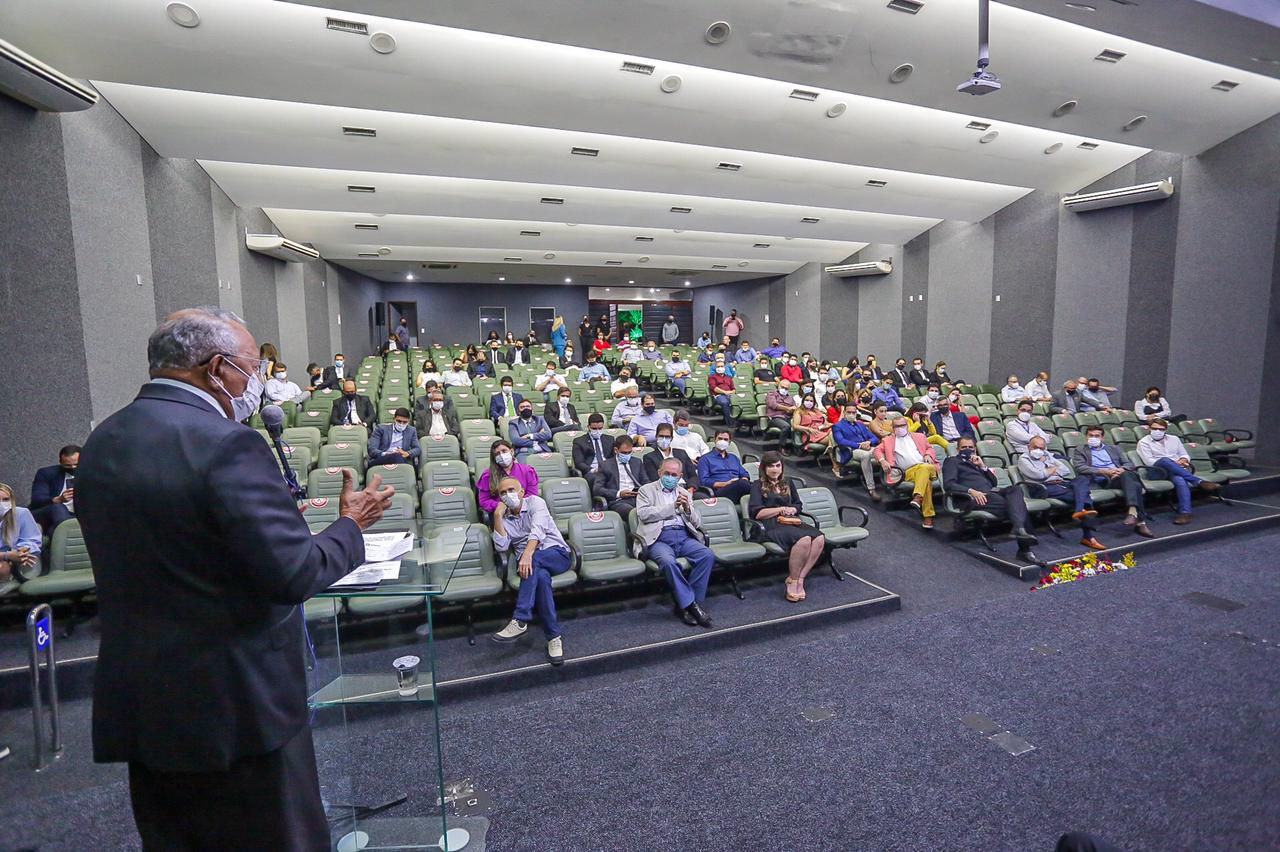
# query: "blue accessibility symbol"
[[44, 633]]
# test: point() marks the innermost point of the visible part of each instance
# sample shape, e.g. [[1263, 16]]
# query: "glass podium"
[[374, 716]]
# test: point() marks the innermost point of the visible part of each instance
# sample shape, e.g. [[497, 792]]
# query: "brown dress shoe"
[[1182, 520], [1084, 513], [927, 523], [1144, 531], [1130, 520], [1093, 543], [1209, 487], [874, 495]]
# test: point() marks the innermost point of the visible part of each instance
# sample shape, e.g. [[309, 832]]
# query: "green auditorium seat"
[[299, 459], [1207, 468], [348, 434], [304, 436], [548, 465], [403, 477], [1150, 484], [400, 516], [445, 507], [343, 454], [318, 419], [1063, 421], [600, 538], [565, 497], [1224, 441], [445, 474], [821, 504], [327, 481], [723, 527], [320, 512], [563, 441], [70, 574], [461, 559], [439, 448]]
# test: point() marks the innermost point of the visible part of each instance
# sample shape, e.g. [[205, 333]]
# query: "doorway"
[[397, 311]]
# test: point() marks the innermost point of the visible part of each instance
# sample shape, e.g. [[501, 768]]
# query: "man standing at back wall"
[[202, 559]]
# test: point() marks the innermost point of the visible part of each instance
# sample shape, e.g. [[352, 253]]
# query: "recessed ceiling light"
[[584, 152], [908, 6], [978, 125], [1224, 85], [837, 110], [729, 167], [686, 283], [1054, 148], [810, 220], [631, 282], [718, 32], [644, 259], [408, 276], [644, 239], [366, 226], [613, 263], [183, 15], [677, 230], [568, 280], [530, 233], [803, 94], [512, 259], [681, 209], [384, 250], [719, 266], [989, 136], [1088, 146], [876, 182], [670, 84], [901, 73], [549, 256], [366, 254], [383, 43], [1064, 108], [345, 26], [549, 200], [760, 245], [610, 289], [743, 262], [571, 224], [637, 67], [1112, 56], [653, 289], [502, 278], [356, 187], [1135, 122], [1082, 7], [359, 131]]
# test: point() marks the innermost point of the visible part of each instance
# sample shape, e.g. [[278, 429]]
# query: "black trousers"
[[268, 801], [1009, 502], [623, 506], [1131, 484], [735, 491]]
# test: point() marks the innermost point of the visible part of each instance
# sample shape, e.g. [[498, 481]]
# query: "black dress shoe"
[[699, 615], [1025, 539], [685, 616]]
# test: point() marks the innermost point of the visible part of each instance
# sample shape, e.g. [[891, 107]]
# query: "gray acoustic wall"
[[450, 313], [110, 238], [753, 301]]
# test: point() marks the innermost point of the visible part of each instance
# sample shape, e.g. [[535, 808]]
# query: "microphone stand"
[[299, 492]]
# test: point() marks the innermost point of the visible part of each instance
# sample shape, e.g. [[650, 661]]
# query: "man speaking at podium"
[[202, 559]]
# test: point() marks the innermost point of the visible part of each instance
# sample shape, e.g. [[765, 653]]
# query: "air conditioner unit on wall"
[[855, 270], [29, 80], [280, 248], [1157, 191]]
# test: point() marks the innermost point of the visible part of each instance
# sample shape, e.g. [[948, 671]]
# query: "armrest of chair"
[[749, 457], [637, 545], [1232, 434], [811, 518], [599, 502], [866, 516], [752, 530]]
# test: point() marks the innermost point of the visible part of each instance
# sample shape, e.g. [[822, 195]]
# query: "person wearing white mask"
[[670, 528], [722, 471], [906, 455], [279, 389], [560, 413], [19, 542], [1168, 459], [1105, 465], [720, 387], [1012, 391], [502, 464], [1019, 431], [1047, 477], [435, 419], [550, 381], [523, 527], [1038, 389], [395, 442]]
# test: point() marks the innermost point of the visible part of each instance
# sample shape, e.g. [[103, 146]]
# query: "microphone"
[[273, 420]]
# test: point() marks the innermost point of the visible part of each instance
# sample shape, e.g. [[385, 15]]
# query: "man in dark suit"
[[336, 374], [951, 424], [619, 478], [966, 477], [354, 408], [517, 354], [53, 490], [202, 559], [560, 413], [1106, 466], [899, 374], [506, 402], [395, 442], [432, 408], [592, 449], [918, 375], [663, 451]]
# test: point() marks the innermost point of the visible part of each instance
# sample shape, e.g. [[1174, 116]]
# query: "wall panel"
[[180, 225], [959, 314]]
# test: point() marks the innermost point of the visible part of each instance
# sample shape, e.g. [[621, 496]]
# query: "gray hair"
[[192, 337]]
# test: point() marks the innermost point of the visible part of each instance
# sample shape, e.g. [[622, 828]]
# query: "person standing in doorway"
[[733, 327]]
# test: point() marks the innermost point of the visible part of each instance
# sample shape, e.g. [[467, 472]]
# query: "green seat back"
[[343, 454], [445, 506], [563, 441], [821, 503], [548, 465], [402, 476], [320, 512], [304, 436], [445, 474], [478, 448], [299, 459], [318, 419], [400, 516], [720, 521], [1063, 421], [347, 434], [327, 481], [565, 496], [439, 448], [67, 550], [598, 535]]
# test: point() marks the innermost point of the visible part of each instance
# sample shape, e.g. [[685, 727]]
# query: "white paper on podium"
[[383, 547], [370, 574]]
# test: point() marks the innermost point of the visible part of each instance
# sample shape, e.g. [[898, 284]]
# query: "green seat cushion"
[[617, 568], [1105, 495], [1233, 473], [980, 515], [321, 609], [59, 583], [558, 581], [1231, 446], [843, 536], [472, 586], [1038, 504], [384, 603], [773, 549], [737, 552], [1157, 486]]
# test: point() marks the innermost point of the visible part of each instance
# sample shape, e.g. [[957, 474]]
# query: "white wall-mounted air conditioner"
[[855, 270], [1157, 191], [37, 85], [279, 248]]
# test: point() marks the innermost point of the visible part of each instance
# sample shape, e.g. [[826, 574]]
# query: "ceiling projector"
[[982, 82]]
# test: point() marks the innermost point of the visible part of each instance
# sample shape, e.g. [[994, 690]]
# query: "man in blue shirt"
[[853, 442], [395, 443], [1107, 467], [775, 349], [594, 371], [644, 426], [744, 354], [722, 472], [888, 394], [677, 371]]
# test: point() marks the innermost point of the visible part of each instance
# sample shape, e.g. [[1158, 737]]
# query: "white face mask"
[[1024, 416], [551, 372], [437, 404], [664, 443], [280, 377], [504, 459], [243, 406], [901, 431], [722, 445], [512, 499], [808, 403], [934, 394], [1095, 442], [5, 506], [1157, 434], [1037, 454]]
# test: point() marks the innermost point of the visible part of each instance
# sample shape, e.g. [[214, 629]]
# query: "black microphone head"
[[273, 420]]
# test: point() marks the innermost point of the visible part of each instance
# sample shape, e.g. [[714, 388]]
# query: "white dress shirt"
[[905, 452], [1170, 447], [692, 444]]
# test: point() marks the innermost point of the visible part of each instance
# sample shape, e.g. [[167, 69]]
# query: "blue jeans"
[[1077, 490], [535, 592], [679, 382], [724, 402], [1183, 481], [674, 542]]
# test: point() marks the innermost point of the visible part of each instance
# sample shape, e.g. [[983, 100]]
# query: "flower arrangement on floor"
[[1088, 565]]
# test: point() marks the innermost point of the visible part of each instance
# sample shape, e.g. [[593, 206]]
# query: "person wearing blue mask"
[[395, 442], [671, 528]]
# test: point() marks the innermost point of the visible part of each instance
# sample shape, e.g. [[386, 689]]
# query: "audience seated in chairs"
[[1069, 400], [506, 402], [1012, 391], [19, 542], [619, 478], [919, 376], [941, 375], [53, 490], [502, 464], [686, 439], [966, 477], [550, 381], [624, 384], [628, 408], [434, 417], [1153, 404], [594, 371], [775, 503], [523, 525], [918, 421], [354, 409], [1168, 459], [1046, 476], [854, 442], [881, 423], [677, 371], [643, 427], [670, 527], [1038, 389], [428, 373], [886, 393], [517, 354], [1019, 431], [779, 407], [1095, 396], [1105, 465], [592, 449], [663, 450], [529, 432], [395, 442], [722, 471], [457, 376], [904, 454], [278, 388], [560, 413]]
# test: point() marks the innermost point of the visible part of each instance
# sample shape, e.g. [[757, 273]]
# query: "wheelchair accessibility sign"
[[44, 632]]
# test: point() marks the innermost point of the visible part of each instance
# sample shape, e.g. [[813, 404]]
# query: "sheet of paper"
[[370, 574], [383, 547]]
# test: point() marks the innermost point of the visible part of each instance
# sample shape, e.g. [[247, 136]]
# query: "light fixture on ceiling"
[[687, 284], [1054, 148], [1224, 85], [1081, 7], [760, 245], [983, 81], [837, 110], [408, 276], [571, 224], [901, 73], [671, 83], [637, 67], [365, 226], [579, 151], [356, 187], [366, 254], [908, 6], [345, 26], [385, 250], [530, 233], [719, 266], [803, 94], [1064, 108], [743, 263], [644, 239], [549, 256], [183, 15], [877, 183], [613, 263], [359, 131], [681, 209], [631, 282], [1088, 146], [718, 32], [568, 280], [644, 259], [810, 220], [978, 125], [610, 289], [989, 136], [1112, 56], [1134, 123], [729, 167], [677, 230], [383, 43], [653, 289], [546, 199], [502, 278], [513, 259]]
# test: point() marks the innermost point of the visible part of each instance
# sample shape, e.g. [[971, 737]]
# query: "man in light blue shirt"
[[888, 394], [594, 371], [644, 426], [677, 371], [775, 349], [744, 354], [627, 409]]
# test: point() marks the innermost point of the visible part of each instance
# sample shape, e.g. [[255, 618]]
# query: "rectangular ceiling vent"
[[359, 131], [730, 167], [718, 266], [440, 266], [637, 67], [512, 259], [681, 209], [977, 125], [584, 152], [644, 239], [530, 233], [355, 187], [810, 220], [549, 200], [613, 263], [908, 6], [1088, 146], [761, 245], [366, 226], [1224, 85], [366, 254], [803, 95], [1112, 56], [343, 26], [877, 182]]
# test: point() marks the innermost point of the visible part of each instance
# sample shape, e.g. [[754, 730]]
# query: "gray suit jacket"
[[651, 514], [1082, 459]]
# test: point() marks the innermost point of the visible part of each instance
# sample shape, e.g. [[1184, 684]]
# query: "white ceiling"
[[479, 105]]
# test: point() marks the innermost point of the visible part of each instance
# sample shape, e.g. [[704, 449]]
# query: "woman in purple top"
[[502, 462]]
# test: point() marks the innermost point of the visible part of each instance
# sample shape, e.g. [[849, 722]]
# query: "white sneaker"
[[4, 752], [511, 632], [555, 651]]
